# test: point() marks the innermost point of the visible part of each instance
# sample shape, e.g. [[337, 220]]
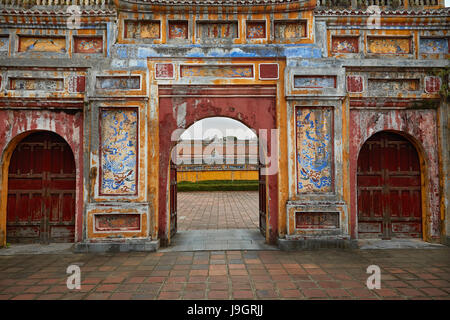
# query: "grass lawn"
[[218, 185]]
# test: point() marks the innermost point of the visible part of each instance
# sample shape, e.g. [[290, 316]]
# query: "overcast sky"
[[209, 127]]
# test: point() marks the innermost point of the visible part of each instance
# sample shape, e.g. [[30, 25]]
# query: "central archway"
[[181, 106]]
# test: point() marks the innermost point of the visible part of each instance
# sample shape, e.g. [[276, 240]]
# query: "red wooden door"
[[262, 202], [41, 190], [173, 199], [389, 193]]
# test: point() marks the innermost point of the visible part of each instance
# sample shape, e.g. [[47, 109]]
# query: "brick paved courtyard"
[[217, 210], [320, 274]]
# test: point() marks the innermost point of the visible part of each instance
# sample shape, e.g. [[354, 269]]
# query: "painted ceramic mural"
[[394, 85], [344, 44], [4, 44], [88, 44], [142, 29], [178, 30], [256, 30], [116, 222], [36, 84], [218, 30], [314, 82], [217, 71], [42, 44], [118, 151], [433, 45], [314, 149], [120, 83], [389, 45], [290, 29]]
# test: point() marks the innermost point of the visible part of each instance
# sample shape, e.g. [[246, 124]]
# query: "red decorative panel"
[[178, 29], [432, 84], [389, 193], [164, 71], [88, 44], [355, 84], [256, 29], [345, 44], [317, 220], [77, 84], [268, 71], [117, 222]]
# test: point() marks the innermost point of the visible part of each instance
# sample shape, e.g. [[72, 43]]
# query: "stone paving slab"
[[217, 210], [307, 274]]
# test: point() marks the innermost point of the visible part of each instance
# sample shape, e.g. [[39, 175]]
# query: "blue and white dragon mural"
[[314, 149], [119, 151]]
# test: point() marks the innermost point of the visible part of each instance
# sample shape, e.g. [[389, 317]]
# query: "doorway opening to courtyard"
[[41, 190], [218, 194], [389, 188]]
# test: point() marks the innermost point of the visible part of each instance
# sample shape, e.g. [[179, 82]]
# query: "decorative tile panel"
[[42, 44], [295, 29], [145, 29], [217, 29], [118, 83], [256, 29], [34, 84], [434, 45], [314, 149], [432, 84], [164, 71], [118, 151], [389, 85], [314, 81], [344, 44], [88, 44], [4, 43], [355, 84], [317, 220], [117, 222], [389, 45], [222, 71], [178, 29]]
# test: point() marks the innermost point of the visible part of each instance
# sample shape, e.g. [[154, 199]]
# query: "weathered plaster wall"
[[420, 126], [68, 124]]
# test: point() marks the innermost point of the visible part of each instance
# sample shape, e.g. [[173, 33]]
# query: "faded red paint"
[[69, 125], [354, 84], [420, 126], [432, 84], [198, 102]]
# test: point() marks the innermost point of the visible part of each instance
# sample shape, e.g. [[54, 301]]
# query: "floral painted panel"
[[225, 71], [290, 29], [389, 45], [178, 29], [344, 44], [118, 83], [142, 29], [88, 44], [433, 45], [314, 149], [256, 29], [118, 151]]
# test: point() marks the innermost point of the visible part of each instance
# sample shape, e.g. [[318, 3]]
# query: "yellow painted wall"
[[194, 176]]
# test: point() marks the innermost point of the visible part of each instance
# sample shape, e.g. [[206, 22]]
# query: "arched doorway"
[[217, 165], [41, 190], [389, 188]]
